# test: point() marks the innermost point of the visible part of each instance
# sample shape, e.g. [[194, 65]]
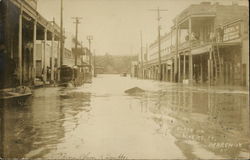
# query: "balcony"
[[184, 45], [32, 3]]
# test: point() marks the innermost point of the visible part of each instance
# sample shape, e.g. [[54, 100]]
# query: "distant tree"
[[114, 64]]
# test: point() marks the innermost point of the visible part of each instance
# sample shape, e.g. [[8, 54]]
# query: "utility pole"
[[77, 21], [159, 39], [142, 73], [90, 38], [94, 65], [61, 36]]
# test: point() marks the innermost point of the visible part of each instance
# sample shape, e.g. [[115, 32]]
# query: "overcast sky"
[[116, 24]]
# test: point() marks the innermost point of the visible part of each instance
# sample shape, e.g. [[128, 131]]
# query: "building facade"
[[21, 28], [208, 44]]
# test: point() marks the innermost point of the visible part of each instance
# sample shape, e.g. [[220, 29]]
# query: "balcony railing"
[[32, 3], [192, 44], [183, 45]]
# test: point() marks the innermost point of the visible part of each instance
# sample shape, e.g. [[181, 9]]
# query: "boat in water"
[[17, 95]]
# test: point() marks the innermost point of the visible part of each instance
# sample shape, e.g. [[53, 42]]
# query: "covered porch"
[[23, 28]]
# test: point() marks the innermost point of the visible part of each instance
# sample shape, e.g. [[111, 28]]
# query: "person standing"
[[220, 33]]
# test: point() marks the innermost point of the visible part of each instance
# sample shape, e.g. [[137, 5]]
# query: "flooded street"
[[100, 120]]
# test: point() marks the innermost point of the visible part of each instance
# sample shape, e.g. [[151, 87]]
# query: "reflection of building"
[[207, 44], [21, 27]]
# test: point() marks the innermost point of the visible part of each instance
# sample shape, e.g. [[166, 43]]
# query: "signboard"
[[231, 32]]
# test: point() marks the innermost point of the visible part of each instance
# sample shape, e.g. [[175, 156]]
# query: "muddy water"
[[99, 120]]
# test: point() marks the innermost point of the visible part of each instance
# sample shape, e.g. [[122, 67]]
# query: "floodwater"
[[100, 120]]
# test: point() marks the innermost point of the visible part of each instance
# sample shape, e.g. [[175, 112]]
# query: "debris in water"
[[134, 90]]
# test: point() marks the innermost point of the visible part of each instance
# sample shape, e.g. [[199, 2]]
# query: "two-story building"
[[22, 27], [212, 47], [208, 43]]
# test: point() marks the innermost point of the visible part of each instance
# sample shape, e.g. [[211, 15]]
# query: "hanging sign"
[[231, 32]]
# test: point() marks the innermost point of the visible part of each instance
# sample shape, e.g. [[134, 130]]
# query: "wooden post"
[[231, 66], [176, 52], [209, 72], [58, 60], [44, 56], [171, 72], [20, 43], [164, 72], [210, 68], [184, 66], [179, 68], [227, 79], [34, 51], [212, 71], [52, 57], [190, 54], [190, 68], [201, 71]]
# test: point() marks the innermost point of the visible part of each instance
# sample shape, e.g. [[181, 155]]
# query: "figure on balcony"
[[197, 36], [193, 36], [212, 37], [220, 33]]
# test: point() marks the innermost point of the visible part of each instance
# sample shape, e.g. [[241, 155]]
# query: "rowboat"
[[17, 95]]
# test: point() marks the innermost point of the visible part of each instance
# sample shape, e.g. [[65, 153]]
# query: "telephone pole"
[[142, 73], [77, 21], [90, 38], [159, 39], [61, 36], [94, 65]]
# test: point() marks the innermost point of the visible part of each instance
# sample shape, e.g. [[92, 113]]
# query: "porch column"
[[210, 68], [179, 68], [44, 56], [20, 43], [52, 57], [190, 53], [34, 50], [176, 53], [58, 60], [171, 72], [164, 72], [201, 68], [184, 66], [190, 68]]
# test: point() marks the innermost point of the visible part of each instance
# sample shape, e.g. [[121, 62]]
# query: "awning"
[[201, 50]]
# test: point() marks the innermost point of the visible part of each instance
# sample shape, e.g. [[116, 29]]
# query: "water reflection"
[[34, 130], [101, 121], [217, 121]]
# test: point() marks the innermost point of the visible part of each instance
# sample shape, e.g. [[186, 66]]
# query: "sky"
[[116, 24]]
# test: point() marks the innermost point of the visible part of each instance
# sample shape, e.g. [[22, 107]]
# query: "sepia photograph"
[[124, 79]]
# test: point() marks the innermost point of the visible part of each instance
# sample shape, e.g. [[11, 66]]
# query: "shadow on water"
[[34, 130], [216, 120]]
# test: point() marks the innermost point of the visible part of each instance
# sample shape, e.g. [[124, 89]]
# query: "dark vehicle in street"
[[66, 75], [124, 74], [72, 75]]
